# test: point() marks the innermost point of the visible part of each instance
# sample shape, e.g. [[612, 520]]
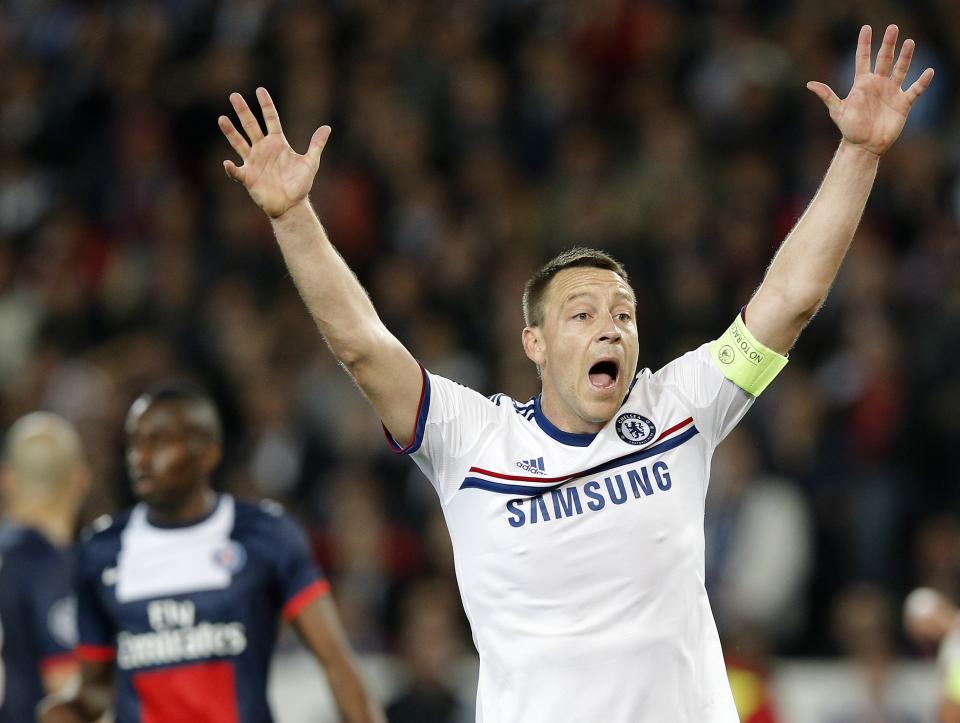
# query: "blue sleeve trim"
[[423, 408]]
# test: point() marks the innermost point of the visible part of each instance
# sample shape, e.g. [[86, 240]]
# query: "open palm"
[[874, 112], [275, 176]]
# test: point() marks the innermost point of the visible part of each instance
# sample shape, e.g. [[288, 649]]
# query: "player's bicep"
[[393, 382], [716, 403], [451, 424], [774, 322], [745, 360]]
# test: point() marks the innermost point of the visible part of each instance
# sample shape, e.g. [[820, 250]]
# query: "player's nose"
[[609, 332]]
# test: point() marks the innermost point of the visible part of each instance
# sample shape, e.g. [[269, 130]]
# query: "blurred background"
[[472, 140]]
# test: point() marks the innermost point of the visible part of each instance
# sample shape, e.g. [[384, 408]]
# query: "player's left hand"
[[873, 113]]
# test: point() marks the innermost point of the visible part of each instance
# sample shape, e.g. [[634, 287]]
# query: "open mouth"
[[142, 483], [603, 374]]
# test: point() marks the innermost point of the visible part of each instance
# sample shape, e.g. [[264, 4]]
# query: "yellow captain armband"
[[744, 360]]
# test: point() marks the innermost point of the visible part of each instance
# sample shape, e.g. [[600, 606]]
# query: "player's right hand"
[[276, 177]]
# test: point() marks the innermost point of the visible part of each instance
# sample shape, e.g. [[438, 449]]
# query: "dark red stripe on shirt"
[[296, 604]]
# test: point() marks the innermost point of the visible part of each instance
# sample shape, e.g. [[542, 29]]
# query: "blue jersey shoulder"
[[266, 522], [105, 527], [25, 547], [100, 541], [267, 530]]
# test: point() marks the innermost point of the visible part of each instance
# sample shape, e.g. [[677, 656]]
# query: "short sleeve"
[[53, 611], [298, 578], [716, 403], [96, 635], [450, 425]]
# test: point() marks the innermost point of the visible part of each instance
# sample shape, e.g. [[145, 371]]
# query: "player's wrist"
[[294, 215], [859, 151]]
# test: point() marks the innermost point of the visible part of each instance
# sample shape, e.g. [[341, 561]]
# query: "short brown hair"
[[536, 286]]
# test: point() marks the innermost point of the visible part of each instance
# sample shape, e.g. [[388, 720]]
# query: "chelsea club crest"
[[635, 428]]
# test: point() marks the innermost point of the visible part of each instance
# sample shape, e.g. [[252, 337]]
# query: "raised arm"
[[870, 119], [279, 180]]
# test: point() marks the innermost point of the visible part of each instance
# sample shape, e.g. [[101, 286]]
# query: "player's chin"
[[148, 491], [601, 404], [143, 488]]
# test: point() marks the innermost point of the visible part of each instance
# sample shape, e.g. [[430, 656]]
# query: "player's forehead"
[[148, 415], [587, 283]]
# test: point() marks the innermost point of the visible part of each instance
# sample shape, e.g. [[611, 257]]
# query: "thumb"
[[233, 171], [824, 93], [317, 144]]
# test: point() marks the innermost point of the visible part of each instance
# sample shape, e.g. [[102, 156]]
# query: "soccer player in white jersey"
[[577, 519]]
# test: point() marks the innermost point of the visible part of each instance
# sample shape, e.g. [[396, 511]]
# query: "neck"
[[564, 418], [196, 506], [56, 524]]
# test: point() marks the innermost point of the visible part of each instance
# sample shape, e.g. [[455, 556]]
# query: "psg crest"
[[635, 428], [232, 556]]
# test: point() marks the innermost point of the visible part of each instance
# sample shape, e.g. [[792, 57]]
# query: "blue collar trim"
[[572, 439]]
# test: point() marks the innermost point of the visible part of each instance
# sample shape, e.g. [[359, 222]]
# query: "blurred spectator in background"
[[864, 626], [759, 541], [431, 645], [748, 668], [43, 482], [932, 620]]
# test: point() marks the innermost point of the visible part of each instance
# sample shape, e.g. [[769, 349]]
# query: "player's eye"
[[582, 316], [623, 316]]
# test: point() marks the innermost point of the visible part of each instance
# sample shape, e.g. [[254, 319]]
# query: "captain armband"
[[744, 360]]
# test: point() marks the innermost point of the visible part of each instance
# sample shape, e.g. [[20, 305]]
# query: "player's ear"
[[534, 345], [81, 481]]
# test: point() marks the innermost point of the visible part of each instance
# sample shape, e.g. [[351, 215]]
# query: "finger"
[[903, 62], [270, 116], [826, 94], [863, 50], [235, 173], [919, 86], [249, 123], [237, 141], [885, 54], [317, 144]]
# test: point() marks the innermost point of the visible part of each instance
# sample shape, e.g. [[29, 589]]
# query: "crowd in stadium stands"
[[472, 140]]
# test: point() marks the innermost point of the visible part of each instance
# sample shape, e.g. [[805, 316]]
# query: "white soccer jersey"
[[580, 557]]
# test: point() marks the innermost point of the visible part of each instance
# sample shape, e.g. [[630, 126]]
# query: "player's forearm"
[[354, 701], [56, 709], [333, 295], [805, 266]]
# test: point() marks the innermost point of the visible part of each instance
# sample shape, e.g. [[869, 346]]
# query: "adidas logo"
[[534, 466]]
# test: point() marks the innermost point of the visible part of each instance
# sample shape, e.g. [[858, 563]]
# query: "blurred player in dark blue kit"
[[44, 482], [179, 598]]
